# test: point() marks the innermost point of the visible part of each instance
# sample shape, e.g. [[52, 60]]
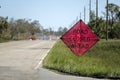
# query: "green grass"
[[2, 40], [101, 61]]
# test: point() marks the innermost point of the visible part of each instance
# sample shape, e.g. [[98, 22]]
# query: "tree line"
[[98, 25], [20, 29], [23, 29]]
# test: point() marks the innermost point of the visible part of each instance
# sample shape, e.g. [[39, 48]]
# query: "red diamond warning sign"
[[79, 38]]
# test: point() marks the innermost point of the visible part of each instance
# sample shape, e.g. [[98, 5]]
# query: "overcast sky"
[[50, 13]]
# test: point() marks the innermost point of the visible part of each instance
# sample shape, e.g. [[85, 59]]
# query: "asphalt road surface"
[[21, 60]]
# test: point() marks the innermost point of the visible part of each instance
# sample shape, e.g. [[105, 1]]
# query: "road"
[[21, 60]]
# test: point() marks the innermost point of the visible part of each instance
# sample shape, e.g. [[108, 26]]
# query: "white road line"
[[38, 65], [43, 56]]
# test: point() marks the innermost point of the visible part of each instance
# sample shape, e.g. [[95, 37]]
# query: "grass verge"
[[101, 61], [2, 40]]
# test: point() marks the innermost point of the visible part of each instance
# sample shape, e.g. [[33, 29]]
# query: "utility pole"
[[96, 9], [89, 10], [96, 22], [77, 19], [80, 15], [84, 13], [106, 19]]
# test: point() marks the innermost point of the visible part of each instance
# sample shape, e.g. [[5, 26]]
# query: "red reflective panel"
[[79, 38]]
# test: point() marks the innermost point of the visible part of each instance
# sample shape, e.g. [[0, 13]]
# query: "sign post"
[[79, 38]]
